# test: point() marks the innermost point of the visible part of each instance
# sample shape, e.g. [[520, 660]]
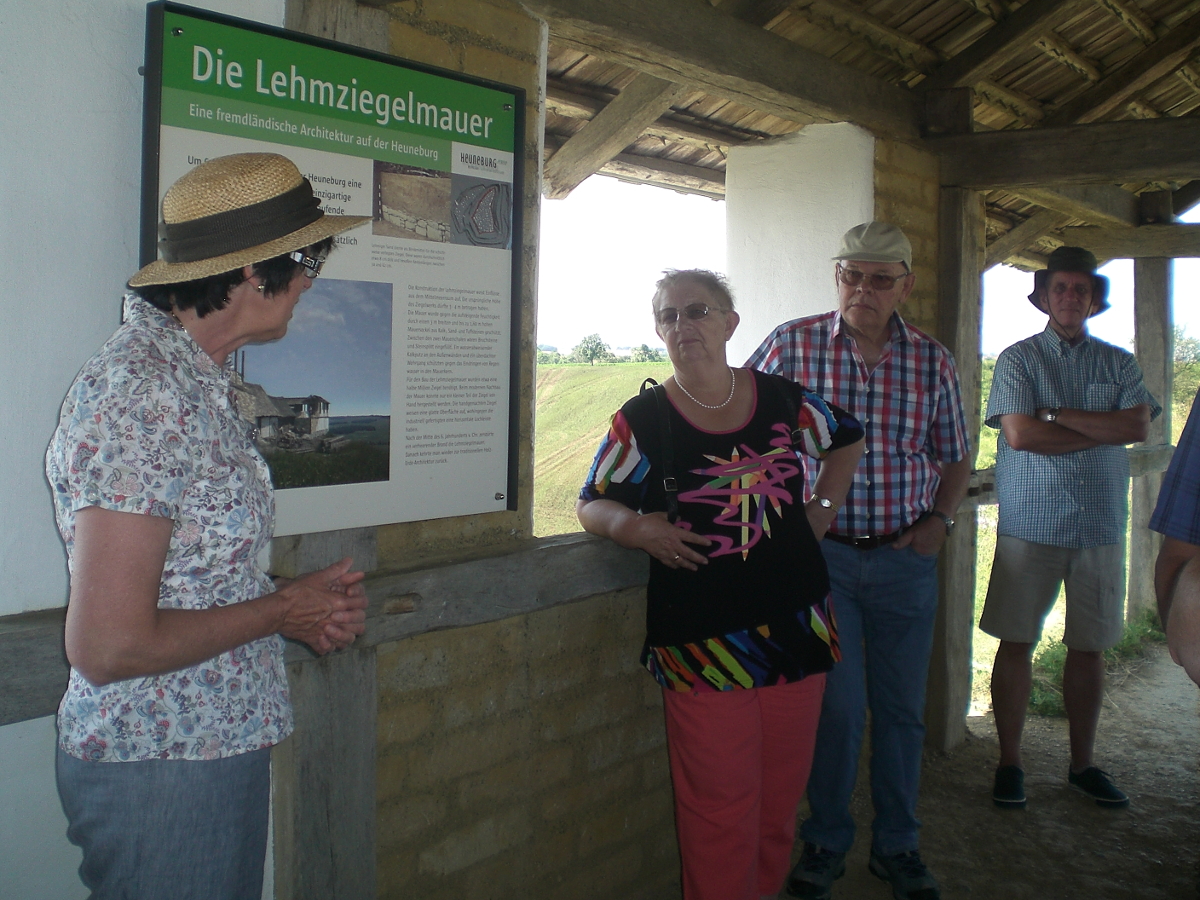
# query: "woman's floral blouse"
[[149, 427]]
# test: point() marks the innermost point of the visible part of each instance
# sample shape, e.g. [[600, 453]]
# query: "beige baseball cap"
[[876, 242]]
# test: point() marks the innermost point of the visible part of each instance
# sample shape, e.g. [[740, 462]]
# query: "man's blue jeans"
[[885, 601]]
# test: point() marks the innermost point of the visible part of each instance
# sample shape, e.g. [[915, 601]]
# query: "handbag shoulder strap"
[[670, 485]]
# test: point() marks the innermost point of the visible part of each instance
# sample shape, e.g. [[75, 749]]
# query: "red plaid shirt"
[[909, 405]]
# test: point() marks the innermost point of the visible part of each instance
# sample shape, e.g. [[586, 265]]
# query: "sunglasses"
[[669, 315], [878, 281], [312, 264]]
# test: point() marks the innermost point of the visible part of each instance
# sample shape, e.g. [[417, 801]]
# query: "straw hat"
[[234, 211], [1072, 259]]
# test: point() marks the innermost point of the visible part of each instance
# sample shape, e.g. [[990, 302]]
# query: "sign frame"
[[472, 127]]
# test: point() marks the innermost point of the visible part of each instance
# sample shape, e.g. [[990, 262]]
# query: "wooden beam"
[[1153, 346], [1100, 153], [1098, 204], [612, 130], [1062, 53], [666, 173], [755, 12], [949, 112], [963, 36], [640, 104], [1008, 38], [1140, 110], [960, 297], [653, 170], [1185, 197], [1012, 102], [580, 106], [1156, 208], [1027, 260], [1024, 235], [1149, 241], [1132, 18], [691, 43], [1157, 61], [891, 43]]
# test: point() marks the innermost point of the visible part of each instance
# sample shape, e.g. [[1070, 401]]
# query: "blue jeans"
[[885, 601], [178, 829]]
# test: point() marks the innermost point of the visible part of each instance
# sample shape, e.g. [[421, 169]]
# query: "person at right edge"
[[1066, 405], [881, 551]]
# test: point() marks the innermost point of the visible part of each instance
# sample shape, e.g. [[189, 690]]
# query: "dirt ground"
[[1063, 846]]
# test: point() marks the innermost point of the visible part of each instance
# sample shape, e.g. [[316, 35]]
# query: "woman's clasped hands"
[[326, 609]]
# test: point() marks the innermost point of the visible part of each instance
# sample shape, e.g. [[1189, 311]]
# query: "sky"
[[604, 247], [339, 346]]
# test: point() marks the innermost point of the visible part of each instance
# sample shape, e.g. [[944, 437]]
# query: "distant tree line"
[[593, 351]]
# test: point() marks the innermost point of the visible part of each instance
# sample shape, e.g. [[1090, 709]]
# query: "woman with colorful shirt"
[[705, 475], [174, 632]]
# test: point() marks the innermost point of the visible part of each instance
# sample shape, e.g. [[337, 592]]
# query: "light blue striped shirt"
[[1077, 499]]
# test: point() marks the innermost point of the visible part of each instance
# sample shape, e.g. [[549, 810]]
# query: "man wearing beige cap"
[[881, 551]]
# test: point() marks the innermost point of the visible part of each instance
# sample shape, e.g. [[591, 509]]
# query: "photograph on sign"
[[322, 398], [390, 399]]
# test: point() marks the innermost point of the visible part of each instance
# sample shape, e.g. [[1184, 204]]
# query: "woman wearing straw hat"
[[174, 633]]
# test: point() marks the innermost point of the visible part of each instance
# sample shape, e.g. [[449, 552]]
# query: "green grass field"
[[574, 405]]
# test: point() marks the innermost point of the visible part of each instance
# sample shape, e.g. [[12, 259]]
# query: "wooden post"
[[323, 782], [960, 269], [1154, 347]]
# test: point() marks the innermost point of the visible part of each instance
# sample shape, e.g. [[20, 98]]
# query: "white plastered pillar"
[[787, 204]]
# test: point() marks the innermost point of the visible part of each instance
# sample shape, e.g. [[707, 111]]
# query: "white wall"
[[70, 177], [787, 204]]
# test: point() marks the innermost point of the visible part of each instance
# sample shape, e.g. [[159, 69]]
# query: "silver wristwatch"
[[946, 520], [826, 503], [1052, 413]]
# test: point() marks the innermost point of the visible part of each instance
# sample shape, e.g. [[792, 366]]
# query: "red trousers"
[[739, 766]]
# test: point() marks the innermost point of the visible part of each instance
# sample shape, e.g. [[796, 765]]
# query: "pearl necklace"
[[732, 388]]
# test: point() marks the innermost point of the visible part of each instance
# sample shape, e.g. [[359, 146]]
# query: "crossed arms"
[[1075, 429]]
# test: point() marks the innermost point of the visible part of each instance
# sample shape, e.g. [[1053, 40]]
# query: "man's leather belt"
[[869, 542]]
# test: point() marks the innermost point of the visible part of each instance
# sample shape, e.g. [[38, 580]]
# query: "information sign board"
[[392, 397]]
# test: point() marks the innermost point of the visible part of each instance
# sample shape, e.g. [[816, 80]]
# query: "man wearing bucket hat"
[[881, 551], [174, 633], [1066, 405]]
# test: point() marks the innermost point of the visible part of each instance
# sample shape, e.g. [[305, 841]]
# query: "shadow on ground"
[[1062, 846]]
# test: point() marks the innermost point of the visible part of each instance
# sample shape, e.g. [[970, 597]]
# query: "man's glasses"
[[312, 264], [669, 315], [878, 281]]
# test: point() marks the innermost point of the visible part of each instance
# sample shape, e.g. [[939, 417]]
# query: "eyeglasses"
[[312, 264], [878, 281], [669, 315]]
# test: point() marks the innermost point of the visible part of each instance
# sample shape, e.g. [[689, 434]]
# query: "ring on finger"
[[676, 557]]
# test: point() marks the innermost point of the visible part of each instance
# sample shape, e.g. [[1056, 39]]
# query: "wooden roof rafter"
[[1035, 68]]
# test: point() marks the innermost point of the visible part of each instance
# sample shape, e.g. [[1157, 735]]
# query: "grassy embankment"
[[574, 405]]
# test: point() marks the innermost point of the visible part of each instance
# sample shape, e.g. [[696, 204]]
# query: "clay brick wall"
[[525, 758], [906, 194]]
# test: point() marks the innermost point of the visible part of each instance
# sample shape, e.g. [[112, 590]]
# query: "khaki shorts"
[[1025, 582]]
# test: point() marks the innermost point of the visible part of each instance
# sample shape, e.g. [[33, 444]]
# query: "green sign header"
[[212, 66]]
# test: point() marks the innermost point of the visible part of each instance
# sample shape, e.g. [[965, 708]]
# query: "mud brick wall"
[[525, 758], [906, 194]]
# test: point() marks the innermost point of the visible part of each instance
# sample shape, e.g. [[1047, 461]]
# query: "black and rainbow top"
[[760, 612]]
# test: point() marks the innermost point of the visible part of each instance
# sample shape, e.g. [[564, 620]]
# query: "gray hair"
[[716, 284]]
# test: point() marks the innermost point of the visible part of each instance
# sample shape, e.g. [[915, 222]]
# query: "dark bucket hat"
[[1072, 259]]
